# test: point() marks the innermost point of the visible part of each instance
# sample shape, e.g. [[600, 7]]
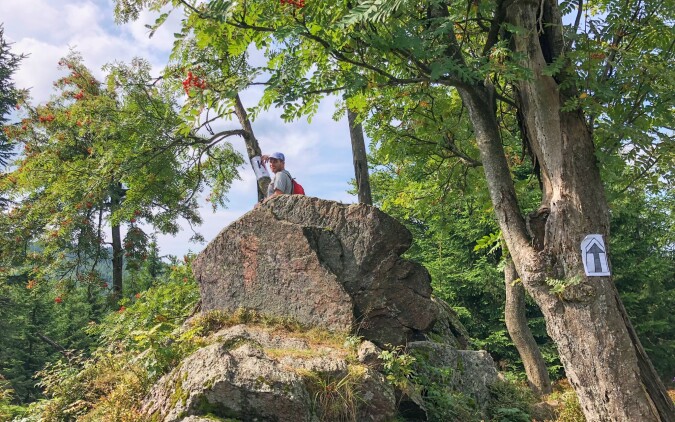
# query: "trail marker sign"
[[259, 168], [594, 256]]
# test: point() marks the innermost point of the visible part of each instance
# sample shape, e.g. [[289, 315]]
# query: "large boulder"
[[321, 263], [250, 373], [470, 372], [448, 328]]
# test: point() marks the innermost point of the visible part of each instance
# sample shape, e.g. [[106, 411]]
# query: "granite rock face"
[[327, 265], [322, 263], [249, 373], [466, 371]]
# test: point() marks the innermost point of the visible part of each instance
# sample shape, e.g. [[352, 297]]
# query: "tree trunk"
[[516, 324], [360, 159], [116, 194], [252, 147], [117, 263], [602, 356]]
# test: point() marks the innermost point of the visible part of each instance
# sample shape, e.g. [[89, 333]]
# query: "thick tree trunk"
[[360, 159], [516, 324], [252, 147], [602, 356]]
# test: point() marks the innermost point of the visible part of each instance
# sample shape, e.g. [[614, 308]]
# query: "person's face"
[[276, 165]]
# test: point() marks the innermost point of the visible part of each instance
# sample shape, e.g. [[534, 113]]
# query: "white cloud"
[[162, 39], [27, 18], [47, 30], [317, 154], [34, 69], [80, 19]]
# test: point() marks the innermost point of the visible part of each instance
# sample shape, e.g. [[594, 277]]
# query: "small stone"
[[369, 354]]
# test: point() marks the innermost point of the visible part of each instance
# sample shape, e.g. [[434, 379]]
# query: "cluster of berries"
[[193, 81], [296, 3], [66, 64], [47, 118]]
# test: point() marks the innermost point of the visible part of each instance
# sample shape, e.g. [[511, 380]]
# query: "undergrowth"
[[146, 338], [336, 397], [429, 387], [136, 345], [8, 410], [567, 403]]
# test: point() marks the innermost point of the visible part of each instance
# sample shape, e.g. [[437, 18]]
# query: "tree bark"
[[605, 364], [252, 147], [117, 263], [360, 159], [54, 345], [516, 324], [116, 194], [603, 358]]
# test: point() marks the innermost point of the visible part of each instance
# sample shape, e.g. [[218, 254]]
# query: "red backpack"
[[297, 187]]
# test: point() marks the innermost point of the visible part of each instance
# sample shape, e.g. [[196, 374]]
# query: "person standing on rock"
[[281, 183]]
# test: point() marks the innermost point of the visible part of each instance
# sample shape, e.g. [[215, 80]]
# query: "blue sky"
[[318, 155]]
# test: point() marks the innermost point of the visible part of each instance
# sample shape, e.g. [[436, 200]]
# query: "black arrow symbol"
[[596, 251]]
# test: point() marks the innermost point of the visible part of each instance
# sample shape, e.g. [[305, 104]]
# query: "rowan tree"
[[100, 160]]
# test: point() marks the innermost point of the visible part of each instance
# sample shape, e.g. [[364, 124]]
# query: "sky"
[[318, 154]]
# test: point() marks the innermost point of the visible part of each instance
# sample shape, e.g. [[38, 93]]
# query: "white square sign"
[[594, 256], [259, 168]]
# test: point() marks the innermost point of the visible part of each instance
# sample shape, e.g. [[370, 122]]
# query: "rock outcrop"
[[321, 263], [328, 265], [466, 371], [249, 374]]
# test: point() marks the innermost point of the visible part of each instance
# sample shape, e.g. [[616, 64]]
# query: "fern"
[[558, 286]]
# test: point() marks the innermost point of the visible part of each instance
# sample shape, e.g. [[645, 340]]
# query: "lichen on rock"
[[238, 379], [323, 263]]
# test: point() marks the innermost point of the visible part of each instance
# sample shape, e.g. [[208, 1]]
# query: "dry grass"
[[212, 321], [294, 353], [565, 402], [336, 398], [120, 387]]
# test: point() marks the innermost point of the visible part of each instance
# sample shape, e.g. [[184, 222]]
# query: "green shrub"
[[510, 402], [138, 343], [427, 386], [569, 409], [8, 411], [150, 323]]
